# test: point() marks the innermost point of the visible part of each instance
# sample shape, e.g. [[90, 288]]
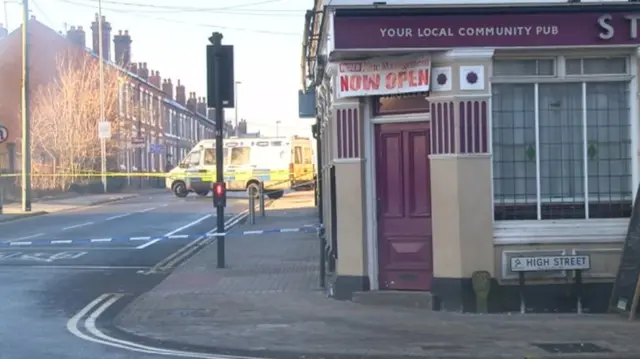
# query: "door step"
[[407, 299]]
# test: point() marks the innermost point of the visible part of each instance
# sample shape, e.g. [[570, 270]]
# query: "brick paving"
[[268, 302]]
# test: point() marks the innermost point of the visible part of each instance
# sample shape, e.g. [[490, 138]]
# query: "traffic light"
[[219, 194]]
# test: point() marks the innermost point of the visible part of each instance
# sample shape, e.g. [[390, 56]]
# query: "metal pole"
[[252, 209], [235, 91], [216, 40], [26, 118], [261, 200], [139, 130], [1, 194], [103, 142]]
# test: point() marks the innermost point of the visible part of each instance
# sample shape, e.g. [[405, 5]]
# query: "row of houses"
[[165, 119]]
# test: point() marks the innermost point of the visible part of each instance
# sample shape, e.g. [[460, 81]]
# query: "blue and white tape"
[[86, 241]]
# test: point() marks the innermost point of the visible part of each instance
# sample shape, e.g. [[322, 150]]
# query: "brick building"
[[161, 119]]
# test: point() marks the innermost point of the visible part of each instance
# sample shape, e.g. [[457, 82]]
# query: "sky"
[[171, 37]]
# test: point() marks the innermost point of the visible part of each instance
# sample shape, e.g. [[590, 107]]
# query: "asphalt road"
[[54, 266]]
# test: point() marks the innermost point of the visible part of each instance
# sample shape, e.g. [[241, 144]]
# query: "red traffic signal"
[[219, 194]]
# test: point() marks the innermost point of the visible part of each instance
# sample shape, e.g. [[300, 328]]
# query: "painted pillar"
[[347, 154], [461, 174]]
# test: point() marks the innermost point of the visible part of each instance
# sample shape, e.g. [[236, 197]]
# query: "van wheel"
[[179, 189]]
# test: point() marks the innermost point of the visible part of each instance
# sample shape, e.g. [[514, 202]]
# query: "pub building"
[[460, 136]]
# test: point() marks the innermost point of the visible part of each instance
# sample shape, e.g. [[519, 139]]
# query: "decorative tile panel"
[[442, 128], [474, 131]]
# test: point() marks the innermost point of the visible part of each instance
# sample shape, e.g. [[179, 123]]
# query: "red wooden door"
[[404, 206]]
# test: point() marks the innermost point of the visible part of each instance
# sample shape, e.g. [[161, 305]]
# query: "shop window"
[[596, 66], [538, 67], [401, 104], [551, 177]]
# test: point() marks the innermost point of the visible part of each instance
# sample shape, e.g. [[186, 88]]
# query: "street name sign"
[[550, 263]]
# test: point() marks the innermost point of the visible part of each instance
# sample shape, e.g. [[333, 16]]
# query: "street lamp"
[[235, 91], [278, 128], [103, 141]]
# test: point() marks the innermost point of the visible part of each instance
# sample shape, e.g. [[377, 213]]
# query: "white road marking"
[[119, 216], [178, 236], [29, 237], [94, 310], [20, 243], [131, 213], [102, 240], [62, 241], [77, 226], [147, 210], [148, 244], [140, 238], [187, 225]]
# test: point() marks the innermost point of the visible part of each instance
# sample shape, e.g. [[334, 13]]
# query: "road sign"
[[4, 134], [104, 130], [156, 148], [549, 263]]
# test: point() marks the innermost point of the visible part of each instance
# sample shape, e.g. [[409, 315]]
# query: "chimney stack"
[[181, 95], [106, 37], [201, 107], [192, 102], [133, 68], [143, 71], [122, 48], [77, 37], [167, 88], [155, 79]]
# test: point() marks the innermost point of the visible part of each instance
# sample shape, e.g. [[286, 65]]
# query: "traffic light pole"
[[216, 40]]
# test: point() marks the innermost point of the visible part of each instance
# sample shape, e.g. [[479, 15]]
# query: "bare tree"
[[65, 115]]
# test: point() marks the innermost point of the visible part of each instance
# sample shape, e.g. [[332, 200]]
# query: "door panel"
[[404, 206]]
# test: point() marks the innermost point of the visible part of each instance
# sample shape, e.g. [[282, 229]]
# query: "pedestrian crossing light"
[[219, 194]]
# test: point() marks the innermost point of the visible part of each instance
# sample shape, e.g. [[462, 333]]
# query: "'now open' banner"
[[384, 76]]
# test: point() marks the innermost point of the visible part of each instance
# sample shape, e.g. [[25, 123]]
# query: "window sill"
[[529, 232]]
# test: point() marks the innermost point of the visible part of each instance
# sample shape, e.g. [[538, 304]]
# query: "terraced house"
[[158, 123]]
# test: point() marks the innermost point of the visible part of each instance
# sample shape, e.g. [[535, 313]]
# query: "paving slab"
[[268, 303]]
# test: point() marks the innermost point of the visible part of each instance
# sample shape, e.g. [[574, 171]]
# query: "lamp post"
[[26, 118], [278, 128], [103, 141]]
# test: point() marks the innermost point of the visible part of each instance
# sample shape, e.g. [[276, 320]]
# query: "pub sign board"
[[625, 287], [498, 27]]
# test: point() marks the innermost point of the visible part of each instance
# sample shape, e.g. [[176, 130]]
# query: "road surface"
[[53, 266]]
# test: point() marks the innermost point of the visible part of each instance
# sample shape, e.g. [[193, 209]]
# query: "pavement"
[[54, 268], [267, 303]]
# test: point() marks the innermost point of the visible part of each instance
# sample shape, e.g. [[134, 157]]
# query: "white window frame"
[[548, 231]]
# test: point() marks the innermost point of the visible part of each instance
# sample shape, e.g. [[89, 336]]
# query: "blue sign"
[[156, 148], [307, 104]]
